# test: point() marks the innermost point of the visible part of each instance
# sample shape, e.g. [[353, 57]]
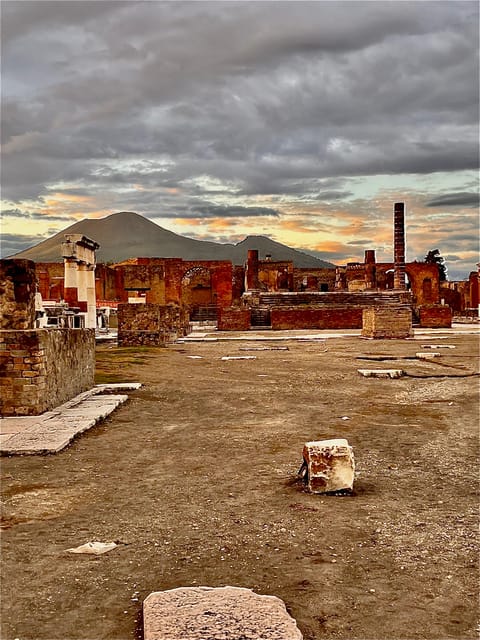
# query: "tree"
[[434, 257]]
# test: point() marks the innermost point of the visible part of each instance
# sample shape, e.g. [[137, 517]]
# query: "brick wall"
[[42, 368], [151, 324], [326, 317], [17, 294], [387, 322], [435, 316], [233, 319]]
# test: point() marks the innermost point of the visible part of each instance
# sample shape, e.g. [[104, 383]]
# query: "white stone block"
[[330, 465], [381, 373]]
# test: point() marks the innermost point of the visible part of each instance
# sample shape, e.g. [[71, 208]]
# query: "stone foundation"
[[435, 316], [43, 368], [151, 324], [387, 322]]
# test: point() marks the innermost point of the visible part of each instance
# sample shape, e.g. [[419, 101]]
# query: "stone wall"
[[151, 324], [435, 316], [233, 319], [324, 317], [17, 294], [387, 322], [42, 368]]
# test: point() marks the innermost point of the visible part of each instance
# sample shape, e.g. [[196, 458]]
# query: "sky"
[[301, 121]]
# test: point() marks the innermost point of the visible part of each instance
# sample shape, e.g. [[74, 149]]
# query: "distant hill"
[[129, 235]]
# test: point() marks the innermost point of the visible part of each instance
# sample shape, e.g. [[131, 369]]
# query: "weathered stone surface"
[[427, 356], [17, 294], [330, 465], [221, 613], [38, 365], [387, 322], [381, 373]]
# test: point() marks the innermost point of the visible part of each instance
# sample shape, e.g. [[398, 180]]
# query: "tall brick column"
[[399, 245], [251, 272], [370, 269]]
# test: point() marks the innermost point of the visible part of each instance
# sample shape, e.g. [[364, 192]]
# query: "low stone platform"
[[220, 613], [53, 430]]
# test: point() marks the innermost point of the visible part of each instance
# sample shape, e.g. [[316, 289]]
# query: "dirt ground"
[[195, 477]]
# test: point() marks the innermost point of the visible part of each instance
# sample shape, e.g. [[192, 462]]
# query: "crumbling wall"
[[324, 317], [17, 294], [42, 368], [233, 319], [435, 316], [151, 324], [387, 322]]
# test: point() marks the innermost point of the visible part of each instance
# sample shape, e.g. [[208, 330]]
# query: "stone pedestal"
[[390, 321], [222, 613], [330, 465]]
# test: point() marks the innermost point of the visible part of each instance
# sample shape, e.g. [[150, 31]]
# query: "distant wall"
[[435, 316], [151, 324], [234, 319], [43, 368], [325, 317]]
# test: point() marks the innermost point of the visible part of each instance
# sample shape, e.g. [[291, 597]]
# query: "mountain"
[[129, 235]]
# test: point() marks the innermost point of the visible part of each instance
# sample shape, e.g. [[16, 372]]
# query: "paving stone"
[[221, 613], [381, 373], [438, 346], [427, 356], [54, 430]]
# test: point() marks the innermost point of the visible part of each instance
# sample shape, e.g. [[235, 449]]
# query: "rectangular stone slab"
[[221, 613]]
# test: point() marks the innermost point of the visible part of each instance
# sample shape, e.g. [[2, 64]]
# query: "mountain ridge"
[[127, 234]]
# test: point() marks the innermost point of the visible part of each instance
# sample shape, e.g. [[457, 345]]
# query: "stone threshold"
[[52, 431]]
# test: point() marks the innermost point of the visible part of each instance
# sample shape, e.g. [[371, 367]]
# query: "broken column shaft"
[[399, 245]]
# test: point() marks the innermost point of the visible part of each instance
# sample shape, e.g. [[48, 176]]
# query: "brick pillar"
[[399, 245], [251, 272], [370, 269]]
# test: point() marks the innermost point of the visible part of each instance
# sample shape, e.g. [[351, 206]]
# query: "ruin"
[[262, 293], [37, 363]]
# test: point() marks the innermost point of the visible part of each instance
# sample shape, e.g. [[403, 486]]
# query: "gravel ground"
[[195, 478]]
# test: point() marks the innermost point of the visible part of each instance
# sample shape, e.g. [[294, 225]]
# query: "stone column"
[[399, 246], [91, 320], [82, 285], [70, 282]]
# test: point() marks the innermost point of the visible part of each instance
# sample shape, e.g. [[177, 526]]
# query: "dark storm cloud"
[[266, 102], [465, 199]]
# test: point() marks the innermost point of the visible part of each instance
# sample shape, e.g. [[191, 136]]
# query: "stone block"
[[330, 465], [381, 373], [427, 356], [221, 613], [393, 321]]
